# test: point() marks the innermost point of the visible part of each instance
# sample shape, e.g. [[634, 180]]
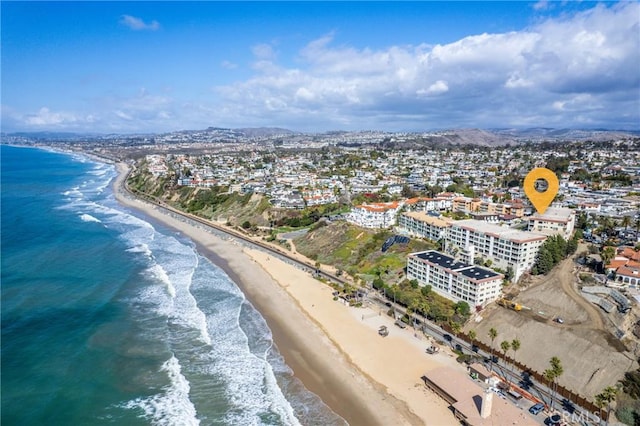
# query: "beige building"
[[471, 403], [421, 224]]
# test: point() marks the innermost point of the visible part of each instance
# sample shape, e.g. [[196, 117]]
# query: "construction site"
[[589, 327]]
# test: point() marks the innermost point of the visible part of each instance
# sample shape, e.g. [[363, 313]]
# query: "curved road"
[[564, 272]]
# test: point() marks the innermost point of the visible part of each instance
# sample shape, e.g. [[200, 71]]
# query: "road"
[[428, 327], [506, 370], [563, 274]]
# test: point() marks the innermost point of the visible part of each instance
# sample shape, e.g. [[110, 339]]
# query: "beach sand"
[[333, 349]]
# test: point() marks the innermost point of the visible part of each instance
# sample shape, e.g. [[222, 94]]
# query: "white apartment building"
[[377, 215], [554, 221], [454, 280], [420, 224], [505, 247]]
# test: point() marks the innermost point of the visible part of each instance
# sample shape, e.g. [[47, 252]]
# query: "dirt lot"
[[591, 356]]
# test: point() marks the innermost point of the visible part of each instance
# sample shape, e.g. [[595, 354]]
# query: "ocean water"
[[109, 318]]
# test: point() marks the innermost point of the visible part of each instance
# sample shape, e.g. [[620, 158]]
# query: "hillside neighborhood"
[[444, 230]]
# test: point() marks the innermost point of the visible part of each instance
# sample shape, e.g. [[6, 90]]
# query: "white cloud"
[[436, 88], [481, 80], [571, 70], [541, 5], [228, 65], [263, 51], [138, 24], [45, 117]]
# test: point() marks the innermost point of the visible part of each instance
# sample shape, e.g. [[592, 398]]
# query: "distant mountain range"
[[481, 137]]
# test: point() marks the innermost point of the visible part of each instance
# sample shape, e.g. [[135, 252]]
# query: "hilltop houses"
[[625, 268]]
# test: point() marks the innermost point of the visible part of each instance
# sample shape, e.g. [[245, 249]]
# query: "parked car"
[[535, 409], [554, 420], [400, 324], [559, 320]]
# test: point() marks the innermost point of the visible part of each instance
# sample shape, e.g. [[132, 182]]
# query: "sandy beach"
[[333, 349]]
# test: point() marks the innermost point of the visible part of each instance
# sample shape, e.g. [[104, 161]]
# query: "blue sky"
[[130, 67]]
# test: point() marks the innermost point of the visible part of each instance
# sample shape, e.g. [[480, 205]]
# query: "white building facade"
[[505, 247], [554, 221], [454, 280], [379, 215]]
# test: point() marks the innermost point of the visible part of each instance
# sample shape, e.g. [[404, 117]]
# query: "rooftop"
[[473, 272], [467, 394], [554, 214], [440, 259], [425, 217], [498, 231]]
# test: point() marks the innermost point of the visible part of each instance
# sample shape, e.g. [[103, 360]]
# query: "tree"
[[426, 290], [509, 274], [550, 377], [472, 336], [515, 346], [552, 374], [455, 328], [493, 333], [462, 308], [605, 398], [505, 346], [607, 255]]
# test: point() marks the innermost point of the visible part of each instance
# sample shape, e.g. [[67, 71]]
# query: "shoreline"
[[364, 378]]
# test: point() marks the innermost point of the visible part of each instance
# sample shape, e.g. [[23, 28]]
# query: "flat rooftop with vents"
[[454, 279]]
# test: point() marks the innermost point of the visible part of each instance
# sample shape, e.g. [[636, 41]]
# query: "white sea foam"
[[199, 310], [172, 406], [251, 387], [158, 272], [141, 248], [88, 218]]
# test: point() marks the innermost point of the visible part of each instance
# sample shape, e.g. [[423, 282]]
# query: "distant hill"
[[473, 137], [440, 138], [257, 132], [550, 134]]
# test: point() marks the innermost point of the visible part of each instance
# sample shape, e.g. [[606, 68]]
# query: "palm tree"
[[493, 333], [626, 221], [553, 374], [605, 398], [607, 255], [550, 376], [472, 336], [455, 328], [505, 346], [412, 309], [515, 345]]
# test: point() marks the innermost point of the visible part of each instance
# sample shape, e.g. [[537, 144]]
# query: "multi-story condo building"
[[421, 224], [454, 280], [476, 205], [554, 221], [377, 215], [427, 204], [505, 247]]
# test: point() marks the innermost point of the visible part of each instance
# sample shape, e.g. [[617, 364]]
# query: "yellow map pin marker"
[[541, 200]]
